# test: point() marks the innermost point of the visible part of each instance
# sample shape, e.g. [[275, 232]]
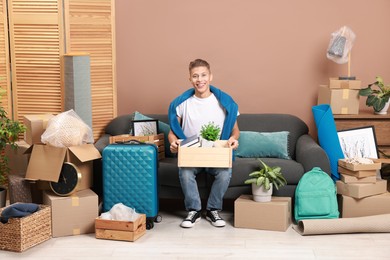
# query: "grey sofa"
[[304, 151]]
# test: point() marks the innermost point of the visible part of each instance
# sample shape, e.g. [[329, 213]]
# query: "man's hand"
[[233, 143], [174, 146]]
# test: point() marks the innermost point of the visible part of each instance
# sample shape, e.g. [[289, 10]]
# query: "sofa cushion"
[[262, 144], [120, 125]]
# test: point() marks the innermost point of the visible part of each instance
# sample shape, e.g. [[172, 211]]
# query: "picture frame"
[[359, 142], [145, 127]]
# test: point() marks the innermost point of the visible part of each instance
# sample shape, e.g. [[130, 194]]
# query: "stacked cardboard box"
[[341, 95], [73, 214], [360, 192]]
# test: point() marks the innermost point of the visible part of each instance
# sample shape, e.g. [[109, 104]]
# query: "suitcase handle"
[[133, 141]]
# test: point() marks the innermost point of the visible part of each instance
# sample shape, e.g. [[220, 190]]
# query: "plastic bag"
[[120, 212], [67, 129], [340, 45]]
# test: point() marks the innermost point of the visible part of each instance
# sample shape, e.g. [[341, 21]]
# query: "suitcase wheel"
[[149, 223], [158, 219]]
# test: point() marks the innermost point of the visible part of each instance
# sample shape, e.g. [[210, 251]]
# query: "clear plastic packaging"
[[67, 129], [340, 45], [120, 212]]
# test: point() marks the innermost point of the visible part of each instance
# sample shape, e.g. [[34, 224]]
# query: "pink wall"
[[269, 55]]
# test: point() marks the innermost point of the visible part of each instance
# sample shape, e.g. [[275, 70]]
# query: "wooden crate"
[[120, 230], [360, 167], [205, 157], [158, 140]]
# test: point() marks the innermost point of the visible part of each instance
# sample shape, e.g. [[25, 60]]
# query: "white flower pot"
[[384, 110], [206, 143], [260, 194]]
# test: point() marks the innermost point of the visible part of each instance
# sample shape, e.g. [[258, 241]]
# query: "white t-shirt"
[[196, 112]]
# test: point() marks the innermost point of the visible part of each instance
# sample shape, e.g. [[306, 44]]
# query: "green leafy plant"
[[377, 98], [9, 132], [210, 131], [267, 175]]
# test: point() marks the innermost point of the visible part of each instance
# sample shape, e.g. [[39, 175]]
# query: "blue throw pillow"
[[163, 128], [262, 145]]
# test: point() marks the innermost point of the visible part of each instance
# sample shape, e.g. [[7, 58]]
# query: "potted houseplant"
[[263, 180], [378, 98], [9, 132], [209, 133]]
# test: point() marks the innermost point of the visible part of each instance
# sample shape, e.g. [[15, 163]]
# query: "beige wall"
[[269, 55]]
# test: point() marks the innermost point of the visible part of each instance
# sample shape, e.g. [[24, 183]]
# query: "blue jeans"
[[189, 186]]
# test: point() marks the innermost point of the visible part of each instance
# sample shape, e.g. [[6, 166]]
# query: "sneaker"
[[191, 219], [215, 219]]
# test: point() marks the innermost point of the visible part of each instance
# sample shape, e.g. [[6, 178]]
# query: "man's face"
[[200, 78]]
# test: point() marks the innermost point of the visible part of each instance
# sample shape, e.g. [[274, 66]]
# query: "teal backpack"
[[316, 196]]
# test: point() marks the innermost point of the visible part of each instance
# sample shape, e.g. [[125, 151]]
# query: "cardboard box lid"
[[46, 161], [85, 152]]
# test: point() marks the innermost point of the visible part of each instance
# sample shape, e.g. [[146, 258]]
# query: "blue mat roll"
[[327, 136]]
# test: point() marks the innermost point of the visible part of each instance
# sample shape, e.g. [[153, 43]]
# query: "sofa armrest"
[[102, 142], [310, 154]]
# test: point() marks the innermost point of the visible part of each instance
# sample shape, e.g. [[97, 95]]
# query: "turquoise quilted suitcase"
[[130, 177]]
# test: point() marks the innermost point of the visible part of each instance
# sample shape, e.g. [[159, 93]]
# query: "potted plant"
[[377, 98], [9, 132], [263, 180], [209, 133]]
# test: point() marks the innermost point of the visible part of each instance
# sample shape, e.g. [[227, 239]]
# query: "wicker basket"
[[20, 234]]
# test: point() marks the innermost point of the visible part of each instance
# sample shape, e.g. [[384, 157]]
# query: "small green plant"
[[267, 175], [377, 98], [9, 132], [210, 131]]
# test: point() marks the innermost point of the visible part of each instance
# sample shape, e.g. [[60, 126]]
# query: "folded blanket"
[[18, 210]]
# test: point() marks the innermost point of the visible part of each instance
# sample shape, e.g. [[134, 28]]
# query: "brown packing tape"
[[75, 201], [344, 110], [76, 231], [345, 93]]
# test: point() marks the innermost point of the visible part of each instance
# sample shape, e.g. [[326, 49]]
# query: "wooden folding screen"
[[4, 59], [89, 27], [40, 33], [36, 44]]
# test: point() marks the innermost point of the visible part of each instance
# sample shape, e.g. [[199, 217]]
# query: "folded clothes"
[[18, 210]]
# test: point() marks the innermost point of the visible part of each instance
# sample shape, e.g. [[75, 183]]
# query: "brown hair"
[[199, 63]]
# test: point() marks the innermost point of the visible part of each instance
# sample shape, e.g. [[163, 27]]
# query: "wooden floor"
[[167, 240]]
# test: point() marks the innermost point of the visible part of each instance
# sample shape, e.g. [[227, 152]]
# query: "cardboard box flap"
[[40, 168], [85, 152]]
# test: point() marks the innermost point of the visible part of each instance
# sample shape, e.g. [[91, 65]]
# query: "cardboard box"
[[352, 179], [345, 84], [20, 234], [342, 101], [361, 190], [72, 215], [274, 215], [205, 157], [359, 167], [18, 159], [46, 162], [374, 205], [120, 230], [36, 126], [358, 174]]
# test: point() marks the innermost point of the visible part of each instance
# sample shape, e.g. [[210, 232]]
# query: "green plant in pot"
[[209, 132], [378, 97], [9, 132], [263, 180]]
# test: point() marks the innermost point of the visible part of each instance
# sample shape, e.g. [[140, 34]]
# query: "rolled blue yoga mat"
[[327, 136]]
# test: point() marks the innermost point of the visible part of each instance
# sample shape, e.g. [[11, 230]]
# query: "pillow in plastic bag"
[[67, 129]]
